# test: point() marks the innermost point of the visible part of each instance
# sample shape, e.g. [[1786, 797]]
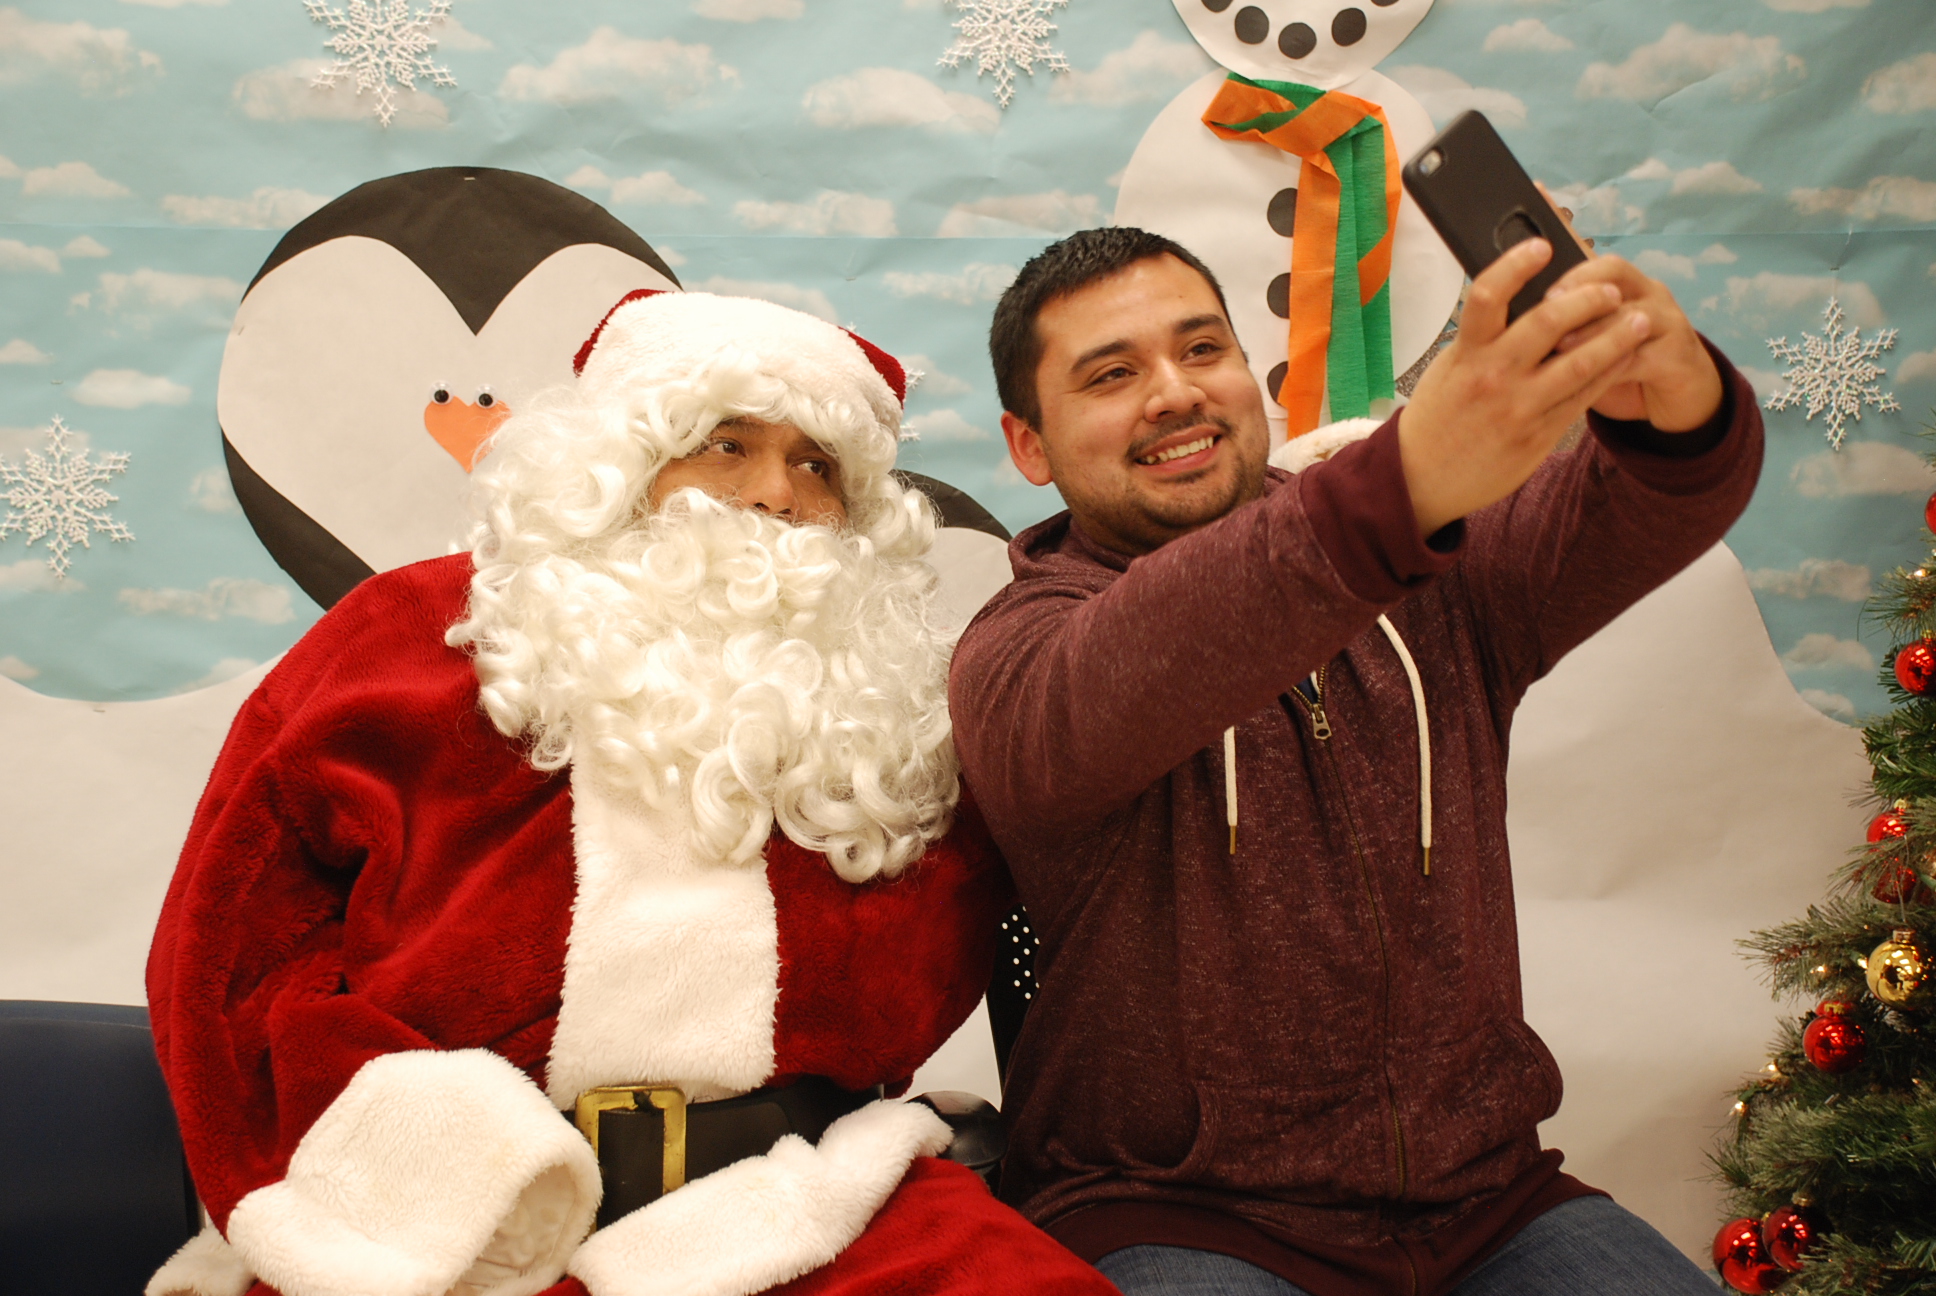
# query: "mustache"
[[1170, 427]]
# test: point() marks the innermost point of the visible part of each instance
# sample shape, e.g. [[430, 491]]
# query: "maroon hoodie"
[[1309, 1052]]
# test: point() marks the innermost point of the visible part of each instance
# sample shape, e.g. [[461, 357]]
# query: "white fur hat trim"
[[666, 336]]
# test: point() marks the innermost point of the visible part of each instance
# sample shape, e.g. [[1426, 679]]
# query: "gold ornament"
[[1898, 969]]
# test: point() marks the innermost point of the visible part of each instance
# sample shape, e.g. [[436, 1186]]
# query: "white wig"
[[713, 660]]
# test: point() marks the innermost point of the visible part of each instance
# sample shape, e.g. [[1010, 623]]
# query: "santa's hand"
[[1673, 382], [1494, 403], [518, 1248]]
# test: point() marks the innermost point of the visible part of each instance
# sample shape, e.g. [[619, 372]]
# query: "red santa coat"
[[393, 951]]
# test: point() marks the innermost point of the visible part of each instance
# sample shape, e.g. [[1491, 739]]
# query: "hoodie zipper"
[[1314, 704], [1321, 730]]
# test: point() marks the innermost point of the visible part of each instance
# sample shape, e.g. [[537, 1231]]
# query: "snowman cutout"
[[1234, 201]]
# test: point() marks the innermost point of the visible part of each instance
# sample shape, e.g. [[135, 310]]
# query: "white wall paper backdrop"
[[96, 798], [1669, 794], [1670, 789]]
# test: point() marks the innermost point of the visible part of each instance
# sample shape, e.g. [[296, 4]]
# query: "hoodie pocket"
[[1316, 1142], [1467, 1100], [1552, 1087]]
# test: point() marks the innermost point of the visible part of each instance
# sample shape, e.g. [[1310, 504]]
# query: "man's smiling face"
[[1151, 424]]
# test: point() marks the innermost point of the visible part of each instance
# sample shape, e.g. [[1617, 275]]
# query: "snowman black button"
[[1282, 212]]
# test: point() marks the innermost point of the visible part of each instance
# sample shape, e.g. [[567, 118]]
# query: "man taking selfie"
[[1242, 734]]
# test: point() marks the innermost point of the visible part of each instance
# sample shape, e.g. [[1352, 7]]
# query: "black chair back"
[[1012, 989], [94, 1193]]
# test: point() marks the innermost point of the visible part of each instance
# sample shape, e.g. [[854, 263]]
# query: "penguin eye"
[[441, 396], [485, 400]]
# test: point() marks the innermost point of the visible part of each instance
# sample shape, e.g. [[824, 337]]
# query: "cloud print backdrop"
[[1758, 157]]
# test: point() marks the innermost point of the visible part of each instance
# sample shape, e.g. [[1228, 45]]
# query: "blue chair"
[[94, 1192]]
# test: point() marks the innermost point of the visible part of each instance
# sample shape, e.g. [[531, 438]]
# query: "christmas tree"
[[1831, 1161]]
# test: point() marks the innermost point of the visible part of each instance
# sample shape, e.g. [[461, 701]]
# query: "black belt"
[[649, 1140]]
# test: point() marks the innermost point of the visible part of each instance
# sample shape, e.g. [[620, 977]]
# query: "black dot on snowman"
[[1252, 25], [1282, 212], [1278, 296]]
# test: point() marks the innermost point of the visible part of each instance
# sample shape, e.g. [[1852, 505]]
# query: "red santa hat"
[[652, 337]]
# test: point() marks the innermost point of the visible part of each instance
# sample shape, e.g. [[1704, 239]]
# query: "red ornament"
[[1833, 1042], [1899, 884], [1741, 1255], [1929, 513], [1789, 1234], [1916, 666], [1890, 823]]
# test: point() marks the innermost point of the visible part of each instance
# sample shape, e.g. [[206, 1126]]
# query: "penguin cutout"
[[970, 553], [1234, 202], [384, 339]]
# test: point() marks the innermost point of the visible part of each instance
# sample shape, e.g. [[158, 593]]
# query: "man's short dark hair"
[[1014, 345]]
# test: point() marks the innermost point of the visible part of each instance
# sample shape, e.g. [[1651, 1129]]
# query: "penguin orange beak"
[[461, 428]]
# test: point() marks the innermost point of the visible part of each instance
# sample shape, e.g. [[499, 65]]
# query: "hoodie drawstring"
[[1424, 742], [1230, 783], [1424, 755]]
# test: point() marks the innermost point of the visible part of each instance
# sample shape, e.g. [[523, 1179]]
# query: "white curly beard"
[[739, 669]]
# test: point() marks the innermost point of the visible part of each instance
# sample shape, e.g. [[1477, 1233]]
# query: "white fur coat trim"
[[1301, 452], [206, 1265], [430, 1169], [672, 968], [765, 1220]]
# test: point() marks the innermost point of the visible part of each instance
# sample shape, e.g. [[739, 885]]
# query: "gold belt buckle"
[[669, 1099]]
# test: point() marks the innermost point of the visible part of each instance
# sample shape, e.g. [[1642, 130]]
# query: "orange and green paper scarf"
[[1341, 248]]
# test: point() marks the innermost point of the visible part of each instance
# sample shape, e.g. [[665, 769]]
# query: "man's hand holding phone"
[[1526, 364], [1492, 406], [1672, 381]]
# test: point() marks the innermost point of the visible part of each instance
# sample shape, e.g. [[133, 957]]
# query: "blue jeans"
[[1585, 1247]]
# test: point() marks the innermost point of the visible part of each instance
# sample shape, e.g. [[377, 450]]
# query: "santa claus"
[[623, 858]]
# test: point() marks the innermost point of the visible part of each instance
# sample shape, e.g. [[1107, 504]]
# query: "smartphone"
[[1481, 201]]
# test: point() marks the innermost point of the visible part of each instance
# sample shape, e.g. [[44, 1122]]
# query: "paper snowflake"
[[381, 43], [1833, 374], [1002, 35], [60, 497]]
